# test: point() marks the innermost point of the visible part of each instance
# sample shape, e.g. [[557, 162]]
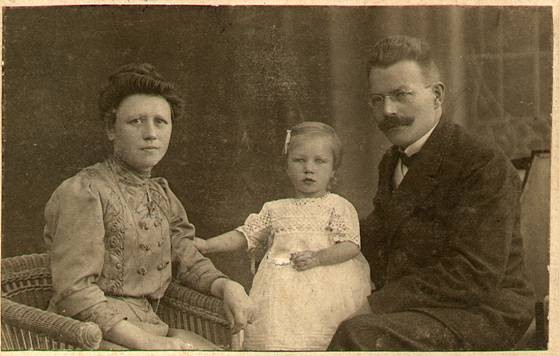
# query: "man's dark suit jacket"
[[447, 242]]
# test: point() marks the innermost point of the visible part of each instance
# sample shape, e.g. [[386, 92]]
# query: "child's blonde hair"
[[315, 128]]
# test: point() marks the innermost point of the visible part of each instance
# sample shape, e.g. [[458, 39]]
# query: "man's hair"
[[393, 49], [133, 79], [320, 129]]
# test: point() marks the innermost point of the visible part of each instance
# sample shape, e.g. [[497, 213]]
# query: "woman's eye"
[[160, 121], [135, 121]]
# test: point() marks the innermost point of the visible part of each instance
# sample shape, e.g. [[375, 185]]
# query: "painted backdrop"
[[247, 74]]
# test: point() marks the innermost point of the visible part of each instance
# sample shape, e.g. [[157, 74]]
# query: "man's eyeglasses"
[[399, 96]]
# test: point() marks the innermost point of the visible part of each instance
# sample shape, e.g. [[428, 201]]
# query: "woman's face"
[[142, 130]]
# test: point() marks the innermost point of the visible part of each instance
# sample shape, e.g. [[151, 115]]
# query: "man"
[[443, 240]]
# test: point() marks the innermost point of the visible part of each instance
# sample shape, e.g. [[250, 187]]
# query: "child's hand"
[[201, 245], [304, 260]]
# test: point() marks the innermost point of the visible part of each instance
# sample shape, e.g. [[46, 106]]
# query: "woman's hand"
[[168, 343], [237, 304], [304, 260], [126, 334], [201, 245]]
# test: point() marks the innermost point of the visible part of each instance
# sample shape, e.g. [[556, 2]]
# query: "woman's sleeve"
[[74, 233], [344, 223], [193, 269], [257, 228]]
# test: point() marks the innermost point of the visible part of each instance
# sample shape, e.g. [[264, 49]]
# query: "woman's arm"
[[337, 253], [229, 241], [199, 272], [74, 234]]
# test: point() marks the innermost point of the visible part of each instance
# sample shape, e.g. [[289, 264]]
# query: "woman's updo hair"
[[315, 128], [133, 79]]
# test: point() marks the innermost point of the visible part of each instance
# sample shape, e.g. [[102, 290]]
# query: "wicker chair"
[[26, 325]]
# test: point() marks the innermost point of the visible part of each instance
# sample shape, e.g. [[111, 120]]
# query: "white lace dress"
[[301, 310]]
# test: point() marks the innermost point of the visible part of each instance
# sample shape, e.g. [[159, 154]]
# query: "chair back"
[[27, 280], [535, 216], [534, 225]]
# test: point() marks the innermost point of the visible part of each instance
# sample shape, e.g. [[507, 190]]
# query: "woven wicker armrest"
[[17, 317], [192, 301], [27, 289], [185, 308]]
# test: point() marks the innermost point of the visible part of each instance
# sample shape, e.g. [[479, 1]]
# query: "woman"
[[113, 232]]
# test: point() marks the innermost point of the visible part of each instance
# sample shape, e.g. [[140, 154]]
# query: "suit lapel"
[[417, 185]]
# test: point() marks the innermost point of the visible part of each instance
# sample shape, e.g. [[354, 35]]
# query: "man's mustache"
[[390, 122]]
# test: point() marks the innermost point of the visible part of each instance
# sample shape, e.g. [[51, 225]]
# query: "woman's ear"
[[110, 120], [438, 91]]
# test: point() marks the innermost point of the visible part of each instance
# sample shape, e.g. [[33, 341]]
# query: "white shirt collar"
[[418, 145]]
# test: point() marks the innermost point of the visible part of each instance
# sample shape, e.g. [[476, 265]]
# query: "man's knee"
[[393, 332], [349, 335]]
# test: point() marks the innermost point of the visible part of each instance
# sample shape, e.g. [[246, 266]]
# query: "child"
[[313, 276]]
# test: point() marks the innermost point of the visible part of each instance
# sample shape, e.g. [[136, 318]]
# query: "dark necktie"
[[408, 161]]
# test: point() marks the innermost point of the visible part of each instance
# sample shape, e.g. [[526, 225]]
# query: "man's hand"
[[237, 304], [305, 260]]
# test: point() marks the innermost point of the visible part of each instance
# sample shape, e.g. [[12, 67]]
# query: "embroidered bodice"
[[111, 230]]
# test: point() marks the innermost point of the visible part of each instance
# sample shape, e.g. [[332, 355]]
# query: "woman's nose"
[[150, 131]]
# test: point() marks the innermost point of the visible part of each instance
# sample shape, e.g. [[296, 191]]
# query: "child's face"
[[310, 165]]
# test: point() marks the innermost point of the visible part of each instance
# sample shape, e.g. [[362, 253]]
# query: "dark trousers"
[[409, 331]]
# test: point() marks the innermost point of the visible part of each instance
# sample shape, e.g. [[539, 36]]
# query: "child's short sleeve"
[[344, 223], [257, 228]]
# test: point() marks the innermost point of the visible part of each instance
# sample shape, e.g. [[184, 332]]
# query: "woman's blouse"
[[111, 231]]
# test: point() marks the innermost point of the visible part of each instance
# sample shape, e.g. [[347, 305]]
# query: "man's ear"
[[438, 91], [110, 133]]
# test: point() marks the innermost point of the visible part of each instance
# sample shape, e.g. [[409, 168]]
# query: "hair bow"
[[287, 140]]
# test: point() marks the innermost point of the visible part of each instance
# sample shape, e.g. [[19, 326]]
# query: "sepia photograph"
[[277, 177]]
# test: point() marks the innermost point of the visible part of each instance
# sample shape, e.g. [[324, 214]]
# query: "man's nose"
[[389, 106]]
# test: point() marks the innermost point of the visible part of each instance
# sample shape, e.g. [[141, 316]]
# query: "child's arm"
[[337, 253], [229, 241]]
